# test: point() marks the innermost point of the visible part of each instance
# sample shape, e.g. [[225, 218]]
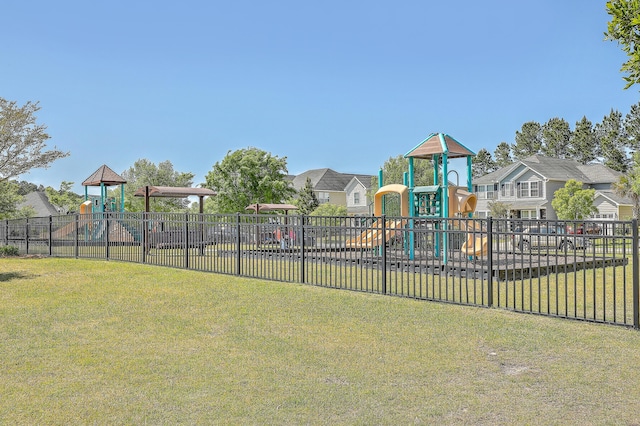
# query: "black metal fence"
[[586, 271]]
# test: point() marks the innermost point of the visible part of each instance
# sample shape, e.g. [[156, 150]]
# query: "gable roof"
[[328, 180], [560, 169], [39, 202], [615, 198], [104, 175]]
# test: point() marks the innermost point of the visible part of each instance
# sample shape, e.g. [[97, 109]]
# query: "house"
[[528, 186], [39, 202], [343, 189]]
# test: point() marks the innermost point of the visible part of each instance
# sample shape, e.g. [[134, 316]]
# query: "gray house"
[[343, 189], [528, 187], [39, 202]]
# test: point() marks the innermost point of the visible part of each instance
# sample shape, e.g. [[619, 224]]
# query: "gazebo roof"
[[439, 143], [104, 175], [173, 191], [270, 207]]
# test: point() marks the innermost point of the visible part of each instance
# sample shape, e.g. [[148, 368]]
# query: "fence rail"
[[578, 270]]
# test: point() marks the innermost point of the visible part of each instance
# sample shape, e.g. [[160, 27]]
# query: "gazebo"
[[104, 177]]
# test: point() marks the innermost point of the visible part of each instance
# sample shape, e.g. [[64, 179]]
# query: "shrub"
[[6, 251]]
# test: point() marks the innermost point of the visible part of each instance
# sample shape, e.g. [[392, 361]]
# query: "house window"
[[506, 190], [323, 197], [482, 192], [528, 214], [534, 189], [528, 189], [490, 192], [356, 198]]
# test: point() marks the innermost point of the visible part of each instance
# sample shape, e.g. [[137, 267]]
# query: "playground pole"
[[122, 198], [409, 182]]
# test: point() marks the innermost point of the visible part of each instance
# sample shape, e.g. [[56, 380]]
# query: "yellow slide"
[[373, 237], [464, 202], [475, 246]]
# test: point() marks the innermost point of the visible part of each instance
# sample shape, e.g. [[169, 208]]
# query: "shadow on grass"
[[8, 276]]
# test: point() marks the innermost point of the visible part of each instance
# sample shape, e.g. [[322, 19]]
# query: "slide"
[[475, 245], [373, 237], [464, 202]]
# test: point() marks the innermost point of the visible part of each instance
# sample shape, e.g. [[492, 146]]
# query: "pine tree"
[[556, 134], [502, 155], [612, 140], [528, 140], [482, 164], [307, 201], [583, 146]]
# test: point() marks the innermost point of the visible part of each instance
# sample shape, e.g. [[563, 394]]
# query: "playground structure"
[[437, 201]]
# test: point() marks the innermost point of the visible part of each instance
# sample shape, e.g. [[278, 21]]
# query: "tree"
[[482, 164], [502, 155], [9, 200], [628, 185], [528, 140], [499, 209], [331, 210], [624, 28], [612, 138], [25, 187], [143, 173], [632, 127], [65, 199], [307, 200], [249, 176], [584, 144], [22, 140], [556, 135], [571, 202], [394, 168]]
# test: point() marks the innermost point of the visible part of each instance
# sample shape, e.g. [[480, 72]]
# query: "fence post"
[[50, 236], [490, 261], [26, 235], [105, 217], [145, 236], [238, 256], [302, 237], [383, 247], [636, 278], [186, 240], [77, 239]]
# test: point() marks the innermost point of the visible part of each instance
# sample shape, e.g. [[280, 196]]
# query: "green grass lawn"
[[96, 342]]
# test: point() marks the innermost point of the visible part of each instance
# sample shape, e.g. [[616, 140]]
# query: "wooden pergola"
[[172, 191], [263, 207]]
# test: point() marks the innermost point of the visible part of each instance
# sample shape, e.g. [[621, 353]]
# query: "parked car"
[[549, 236], [585, 228]]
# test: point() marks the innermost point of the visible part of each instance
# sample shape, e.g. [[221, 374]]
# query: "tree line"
[[611, 142]]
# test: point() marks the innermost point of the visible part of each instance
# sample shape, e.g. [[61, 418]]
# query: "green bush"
[[8, 251]]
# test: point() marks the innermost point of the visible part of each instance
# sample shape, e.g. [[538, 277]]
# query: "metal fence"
[[569, 269]]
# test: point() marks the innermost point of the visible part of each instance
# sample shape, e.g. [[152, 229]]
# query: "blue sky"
[[339, 84]]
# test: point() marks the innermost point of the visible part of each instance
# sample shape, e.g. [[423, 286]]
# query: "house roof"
[[611, 195], [104, 175], [328, 179], [556, 169], [39, 202]]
